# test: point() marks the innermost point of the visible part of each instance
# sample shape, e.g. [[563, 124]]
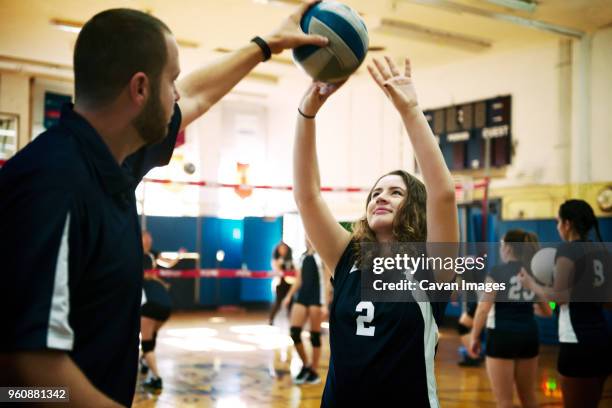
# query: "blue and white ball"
[[348, 42]]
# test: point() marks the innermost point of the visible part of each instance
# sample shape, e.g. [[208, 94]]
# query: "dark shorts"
[[584, 361], [308, 298], [308, 303], [463, 330], [282, 288], [156, 311], [511, 345]]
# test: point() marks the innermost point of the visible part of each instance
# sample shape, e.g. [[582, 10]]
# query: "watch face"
[[604, 199]]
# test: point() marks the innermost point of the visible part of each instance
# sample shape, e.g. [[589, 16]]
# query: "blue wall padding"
[[474, 230], [256, 290], [229, 291], [173, 233], [605, 227], [219, 234], [261, 235]]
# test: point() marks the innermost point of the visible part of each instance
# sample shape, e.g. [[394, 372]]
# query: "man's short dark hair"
[[112, 46]]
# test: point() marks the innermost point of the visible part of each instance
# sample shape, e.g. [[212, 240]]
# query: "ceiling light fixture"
[[279, 2], [37, 68], [66, 25], [535, 24], [275, 58], [521, 5], [440, 37], [72, 26]]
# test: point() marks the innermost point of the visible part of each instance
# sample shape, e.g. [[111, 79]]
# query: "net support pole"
[[196, 283], [485, 195]]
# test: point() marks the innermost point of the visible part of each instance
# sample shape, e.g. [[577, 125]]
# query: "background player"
[[310, 303], [282, 262], [512, 333], [156, 310], [584, 360]]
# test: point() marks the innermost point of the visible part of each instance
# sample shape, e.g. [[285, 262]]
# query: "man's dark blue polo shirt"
[[71, 250]]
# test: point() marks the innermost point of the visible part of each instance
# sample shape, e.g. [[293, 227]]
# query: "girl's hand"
[[474, 349], [398, 87], [316, 95], [526, 280]]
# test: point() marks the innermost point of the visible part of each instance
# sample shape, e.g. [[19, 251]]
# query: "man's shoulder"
[[52, 159], [54, 149]]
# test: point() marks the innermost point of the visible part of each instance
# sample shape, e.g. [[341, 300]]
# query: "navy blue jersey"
[[72, 265], [583, 322], [149, 260], [379, 350], [311, 290], [513, 308]]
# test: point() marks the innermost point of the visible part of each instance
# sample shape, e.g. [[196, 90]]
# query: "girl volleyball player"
[[380, 351], [512, 332], [282, 261], [585, 353], [155, 311], [310, 303]]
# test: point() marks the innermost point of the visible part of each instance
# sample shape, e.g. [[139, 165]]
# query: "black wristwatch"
[[265, 48]]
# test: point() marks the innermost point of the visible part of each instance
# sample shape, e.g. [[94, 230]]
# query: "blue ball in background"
[[348, 42]]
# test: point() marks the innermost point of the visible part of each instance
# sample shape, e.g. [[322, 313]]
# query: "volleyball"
[[543, 265], [189, 168], [347, 47]]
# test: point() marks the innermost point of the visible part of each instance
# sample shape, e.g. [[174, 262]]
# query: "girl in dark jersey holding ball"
[[380, 351], [512, 332], [584, 360]]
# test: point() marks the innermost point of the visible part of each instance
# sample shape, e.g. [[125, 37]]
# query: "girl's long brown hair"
[[409, 224]]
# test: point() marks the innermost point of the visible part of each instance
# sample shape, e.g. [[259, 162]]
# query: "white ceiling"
[[26, 32]]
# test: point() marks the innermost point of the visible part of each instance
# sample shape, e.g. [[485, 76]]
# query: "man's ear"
[[139, 88]]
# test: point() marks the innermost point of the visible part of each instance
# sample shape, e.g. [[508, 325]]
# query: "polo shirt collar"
[[115, 179]]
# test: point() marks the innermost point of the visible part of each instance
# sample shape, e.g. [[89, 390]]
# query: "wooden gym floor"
[[233, 359]]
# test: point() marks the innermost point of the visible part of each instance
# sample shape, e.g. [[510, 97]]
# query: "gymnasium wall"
[[561, 127], [601, 106], [15, 98]]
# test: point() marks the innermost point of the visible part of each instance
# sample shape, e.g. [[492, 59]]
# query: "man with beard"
[[71, 251]]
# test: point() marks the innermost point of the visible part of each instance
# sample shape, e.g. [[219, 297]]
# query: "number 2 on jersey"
[[362, 330]]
